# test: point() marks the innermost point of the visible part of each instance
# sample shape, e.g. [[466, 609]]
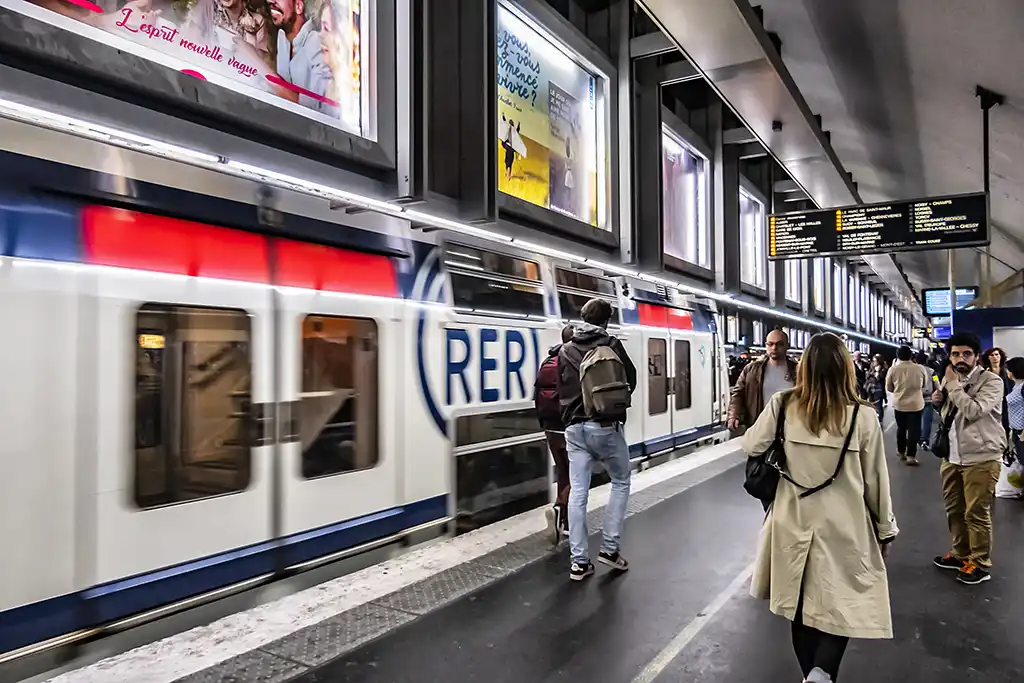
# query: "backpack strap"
[[780, 422], [842, 456]]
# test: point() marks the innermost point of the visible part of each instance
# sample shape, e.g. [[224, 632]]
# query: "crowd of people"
[[813, 430]]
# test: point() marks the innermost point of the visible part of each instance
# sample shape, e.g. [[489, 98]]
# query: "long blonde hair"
[[826, 384]]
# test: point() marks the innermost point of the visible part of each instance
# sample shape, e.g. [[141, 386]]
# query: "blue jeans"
[[586, 443], [926, 423]]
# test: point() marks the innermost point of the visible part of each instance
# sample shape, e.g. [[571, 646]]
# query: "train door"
[[183, 382], [657, 419], [339, 355], [682, 385]]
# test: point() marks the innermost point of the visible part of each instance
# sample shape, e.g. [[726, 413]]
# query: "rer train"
[[190, 407]]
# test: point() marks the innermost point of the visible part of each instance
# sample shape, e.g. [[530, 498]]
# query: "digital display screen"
[[934, 223], [936, 301]]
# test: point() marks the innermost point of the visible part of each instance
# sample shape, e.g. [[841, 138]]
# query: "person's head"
[[1015, 368], [287, 15], [334, 39], [994, 359], [878, 361], [921, 358], [964, 351], [826, 384], [597, 312], [230, 4], [904, 353], [776, 345], [567, 332]]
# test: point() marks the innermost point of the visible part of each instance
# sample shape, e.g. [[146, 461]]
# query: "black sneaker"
[[552, 514], [947, 561], [579, 571], [614, 560], [972, 574], [911, 462]]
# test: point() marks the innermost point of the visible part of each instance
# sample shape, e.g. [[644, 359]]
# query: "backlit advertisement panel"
[[547, 122], [308, 56]]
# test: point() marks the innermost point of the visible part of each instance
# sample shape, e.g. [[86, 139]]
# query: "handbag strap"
[[842, 456]]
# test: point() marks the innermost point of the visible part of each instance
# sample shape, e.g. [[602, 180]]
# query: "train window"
[[684, 398], [460, 257], [338, 423], [193, 410], [492, 295], [657, 376], [584, 281], [484, 427]]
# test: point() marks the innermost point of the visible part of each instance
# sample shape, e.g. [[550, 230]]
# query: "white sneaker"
[[818, 676]]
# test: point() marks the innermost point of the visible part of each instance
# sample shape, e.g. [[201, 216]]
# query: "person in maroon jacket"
[[549, 414]]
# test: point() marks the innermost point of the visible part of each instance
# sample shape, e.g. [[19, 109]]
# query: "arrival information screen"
[[935, 223]]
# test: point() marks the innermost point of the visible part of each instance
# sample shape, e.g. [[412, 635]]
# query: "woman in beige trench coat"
[[820, 559]]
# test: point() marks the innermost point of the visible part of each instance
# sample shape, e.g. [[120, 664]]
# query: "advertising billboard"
[[547, 122], [310, 57]]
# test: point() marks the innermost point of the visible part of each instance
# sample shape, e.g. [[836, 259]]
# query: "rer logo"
[[703, 352], [488, 365]]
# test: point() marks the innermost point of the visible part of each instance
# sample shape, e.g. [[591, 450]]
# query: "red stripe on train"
[[129, 239], [313, 266], [653, 315]]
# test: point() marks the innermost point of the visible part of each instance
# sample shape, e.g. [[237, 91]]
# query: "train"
[[191, 405]]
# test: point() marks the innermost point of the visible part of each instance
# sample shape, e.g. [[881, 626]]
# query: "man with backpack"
[[596, 380], [549, 414]]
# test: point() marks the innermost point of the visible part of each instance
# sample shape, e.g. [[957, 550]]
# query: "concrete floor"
[[537, 626]]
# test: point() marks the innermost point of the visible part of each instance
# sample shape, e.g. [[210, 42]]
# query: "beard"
[[962, 368]]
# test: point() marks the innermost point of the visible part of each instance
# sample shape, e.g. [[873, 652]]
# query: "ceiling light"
[[101, 133]]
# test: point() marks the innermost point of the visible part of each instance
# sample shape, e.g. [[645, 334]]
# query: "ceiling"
[[894, 83]]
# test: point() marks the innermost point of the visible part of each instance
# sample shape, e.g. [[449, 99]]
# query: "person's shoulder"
[[867, 425]]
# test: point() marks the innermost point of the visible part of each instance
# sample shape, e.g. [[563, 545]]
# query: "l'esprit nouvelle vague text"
[[170, 34]]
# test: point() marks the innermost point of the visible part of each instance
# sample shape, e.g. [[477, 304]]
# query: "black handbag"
[[763, 472], [940, 445]]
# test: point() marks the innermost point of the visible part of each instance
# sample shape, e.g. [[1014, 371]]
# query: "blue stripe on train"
[[46, 619], [669, 442]]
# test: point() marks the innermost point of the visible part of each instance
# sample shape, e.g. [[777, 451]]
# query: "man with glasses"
[[971, 404], [761, 380]]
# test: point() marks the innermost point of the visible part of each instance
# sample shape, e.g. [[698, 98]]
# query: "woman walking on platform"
[[821, 554]]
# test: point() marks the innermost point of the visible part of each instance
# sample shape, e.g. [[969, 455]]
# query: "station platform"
[[477, 608]]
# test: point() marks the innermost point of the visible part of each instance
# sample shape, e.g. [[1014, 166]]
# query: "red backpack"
[[545, 395]]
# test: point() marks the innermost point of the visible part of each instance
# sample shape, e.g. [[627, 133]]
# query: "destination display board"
[[936, 301], [933, 223]]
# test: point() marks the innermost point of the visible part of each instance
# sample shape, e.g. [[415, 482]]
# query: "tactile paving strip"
[[442, 588], [252, 667], [343, 633], [289, 657]]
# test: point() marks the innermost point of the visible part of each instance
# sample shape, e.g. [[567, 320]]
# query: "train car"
[[191, 407]]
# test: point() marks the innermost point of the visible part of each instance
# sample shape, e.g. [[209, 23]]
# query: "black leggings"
[[815, 648]]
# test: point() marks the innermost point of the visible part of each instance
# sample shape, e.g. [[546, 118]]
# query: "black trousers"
[[816, 648], [908, 432]]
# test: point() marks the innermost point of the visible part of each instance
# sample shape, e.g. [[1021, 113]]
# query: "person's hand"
[[885, 550], [950, 373], [733, 424]]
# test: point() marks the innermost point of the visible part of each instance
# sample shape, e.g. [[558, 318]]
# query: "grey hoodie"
[[570, 395]]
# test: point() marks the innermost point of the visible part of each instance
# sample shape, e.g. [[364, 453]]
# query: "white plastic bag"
[[1011, 481]]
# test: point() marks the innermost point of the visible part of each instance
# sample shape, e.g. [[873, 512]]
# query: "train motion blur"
[[192, 406]]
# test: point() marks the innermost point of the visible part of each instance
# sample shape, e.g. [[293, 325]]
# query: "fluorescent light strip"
[[101, 133]]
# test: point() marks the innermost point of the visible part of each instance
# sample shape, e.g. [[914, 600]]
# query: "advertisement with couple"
[[303, 55]]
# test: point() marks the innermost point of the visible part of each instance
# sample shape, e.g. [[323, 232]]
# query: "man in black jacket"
[[588, 440]]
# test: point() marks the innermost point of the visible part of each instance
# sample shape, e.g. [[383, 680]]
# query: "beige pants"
[[968, 492]]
